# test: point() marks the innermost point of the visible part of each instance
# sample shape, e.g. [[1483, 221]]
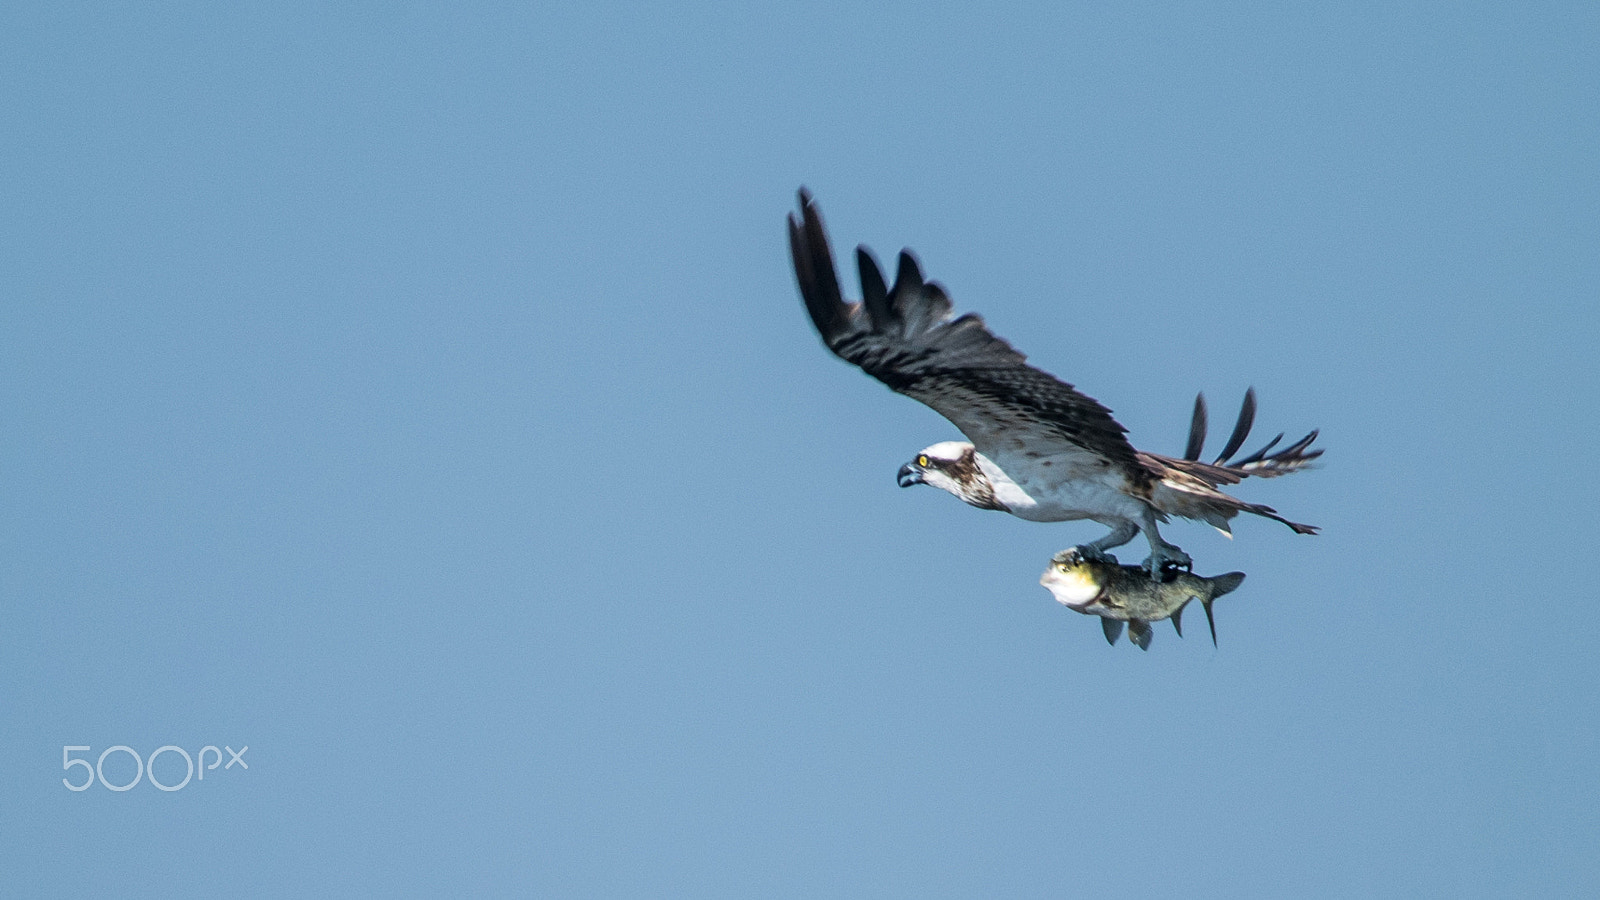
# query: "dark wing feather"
[[1189, 487], [1261, 464], [1197, 429], [1241, 428], [904, 337]]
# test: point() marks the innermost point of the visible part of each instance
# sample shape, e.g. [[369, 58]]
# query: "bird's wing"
[[905, 337], [1191, 488]]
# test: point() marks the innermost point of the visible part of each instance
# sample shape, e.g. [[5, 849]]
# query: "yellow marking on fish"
[[1072, 585]]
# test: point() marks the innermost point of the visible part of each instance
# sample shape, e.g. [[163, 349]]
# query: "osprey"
[[1037, 448]]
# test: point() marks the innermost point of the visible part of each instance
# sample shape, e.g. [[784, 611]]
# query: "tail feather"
[[1267, 512]]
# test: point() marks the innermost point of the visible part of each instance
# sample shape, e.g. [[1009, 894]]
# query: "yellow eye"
[[1065, 567], [923, 460]]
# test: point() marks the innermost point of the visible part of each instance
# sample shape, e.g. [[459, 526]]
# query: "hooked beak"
[[909, 475]]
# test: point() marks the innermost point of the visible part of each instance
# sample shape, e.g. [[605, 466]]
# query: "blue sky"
[[421, 398]]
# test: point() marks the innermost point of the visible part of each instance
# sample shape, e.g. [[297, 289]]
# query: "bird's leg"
[[1120, 534], [1161, 552]]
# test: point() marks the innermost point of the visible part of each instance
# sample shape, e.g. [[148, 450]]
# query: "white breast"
[[1058, 490]]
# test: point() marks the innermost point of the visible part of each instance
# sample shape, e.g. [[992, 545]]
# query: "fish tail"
[[1226, 584]]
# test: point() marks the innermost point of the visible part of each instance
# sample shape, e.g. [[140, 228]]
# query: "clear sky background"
[[420, 396]]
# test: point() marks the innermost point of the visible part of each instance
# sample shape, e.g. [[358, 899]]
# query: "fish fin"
[[1206, 605], [1113, 630], [1139, 633], [1177, 618], [1226, 584]]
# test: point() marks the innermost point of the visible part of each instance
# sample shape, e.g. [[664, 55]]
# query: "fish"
[[1127, 594]]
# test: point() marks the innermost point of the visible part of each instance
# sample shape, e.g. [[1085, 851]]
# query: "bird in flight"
[[1037, 448]]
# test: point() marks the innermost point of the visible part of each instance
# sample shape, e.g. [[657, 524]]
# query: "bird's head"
[[947, 465], [953, 466]]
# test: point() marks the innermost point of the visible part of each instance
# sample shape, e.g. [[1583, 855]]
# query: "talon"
[[1166, 563], [1091, 553]]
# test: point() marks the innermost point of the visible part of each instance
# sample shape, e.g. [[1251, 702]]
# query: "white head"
[[951, 466]]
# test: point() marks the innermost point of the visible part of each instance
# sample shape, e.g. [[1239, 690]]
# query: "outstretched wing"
[[904, 337], [1261, 464]]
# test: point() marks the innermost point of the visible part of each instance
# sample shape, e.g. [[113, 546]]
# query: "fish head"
[[1073, 580]]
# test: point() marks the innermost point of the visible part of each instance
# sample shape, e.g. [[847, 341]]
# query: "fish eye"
[[1064, 566], [922, 460]]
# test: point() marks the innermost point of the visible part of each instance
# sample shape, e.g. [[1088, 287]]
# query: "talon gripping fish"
[[1127, 594]]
